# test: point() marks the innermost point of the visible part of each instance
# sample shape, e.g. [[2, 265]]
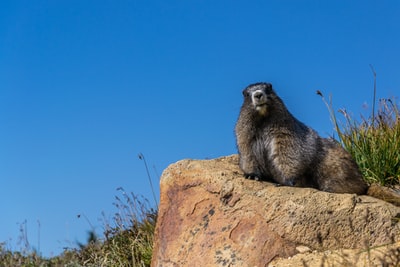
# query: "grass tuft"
[[374, 142], [128, 237]]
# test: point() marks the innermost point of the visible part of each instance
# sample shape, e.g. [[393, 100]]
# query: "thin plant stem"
[[374, 98], [141, 157]]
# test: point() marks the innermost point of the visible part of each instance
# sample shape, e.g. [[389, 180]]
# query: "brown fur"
[[274, 145]]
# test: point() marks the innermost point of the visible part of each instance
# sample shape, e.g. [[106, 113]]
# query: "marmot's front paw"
[[290, 182], [252, 176]]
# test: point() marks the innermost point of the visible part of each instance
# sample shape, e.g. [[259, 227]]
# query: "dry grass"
[[127, 241]]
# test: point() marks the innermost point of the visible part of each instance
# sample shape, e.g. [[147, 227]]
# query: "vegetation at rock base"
[[127, 241]]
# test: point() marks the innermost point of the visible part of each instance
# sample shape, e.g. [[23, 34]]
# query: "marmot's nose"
[[258, 95]]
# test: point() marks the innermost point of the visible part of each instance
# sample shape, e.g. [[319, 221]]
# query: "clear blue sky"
[[87, 85]]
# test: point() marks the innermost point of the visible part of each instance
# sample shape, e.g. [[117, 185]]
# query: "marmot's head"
[[260, 97]]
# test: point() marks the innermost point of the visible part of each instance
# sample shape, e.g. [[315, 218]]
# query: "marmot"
[[274, 145]]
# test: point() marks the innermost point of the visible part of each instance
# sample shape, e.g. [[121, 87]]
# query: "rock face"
[[209, 215]]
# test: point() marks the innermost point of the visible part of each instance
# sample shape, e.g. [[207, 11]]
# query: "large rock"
[[209, 215]]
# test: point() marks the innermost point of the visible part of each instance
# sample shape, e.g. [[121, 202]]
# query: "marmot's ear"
[[245, 93], [268, 87]]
